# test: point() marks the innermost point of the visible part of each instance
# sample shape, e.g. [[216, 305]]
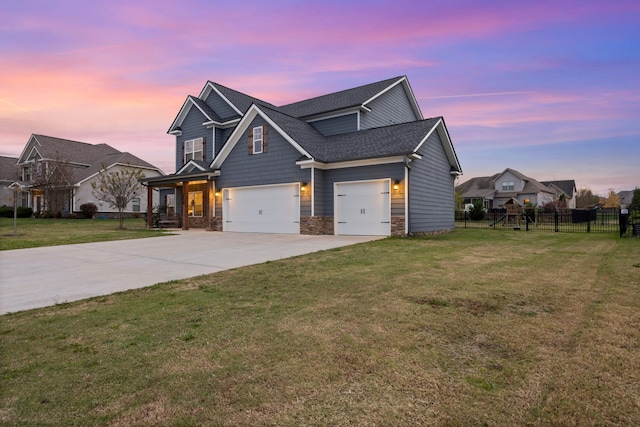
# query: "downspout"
[[407, 211], [312, 191]]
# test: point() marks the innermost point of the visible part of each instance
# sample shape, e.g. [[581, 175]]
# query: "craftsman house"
[[360, 161], [57, 174], [510, 185]]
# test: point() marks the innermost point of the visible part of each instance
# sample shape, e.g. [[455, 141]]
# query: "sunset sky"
[[549, 88]]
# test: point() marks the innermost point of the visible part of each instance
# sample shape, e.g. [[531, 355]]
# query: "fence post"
[[589, 222], [526, 222], [555, 220]]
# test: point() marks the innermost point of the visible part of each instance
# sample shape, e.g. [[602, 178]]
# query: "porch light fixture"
[[303, 187], [396, 185], [217, 194]]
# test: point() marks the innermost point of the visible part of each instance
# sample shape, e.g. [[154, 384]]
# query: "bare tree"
[[585, 199], [118, 188], [53, 178]]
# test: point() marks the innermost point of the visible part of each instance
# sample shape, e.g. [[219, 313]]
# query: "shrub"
[[6, 212], [88, 210], [24, 212], [476, 212], [21, 212]]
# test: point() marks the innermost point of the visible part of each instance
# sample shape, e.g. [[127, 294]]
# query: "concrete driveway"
[[39, 277]]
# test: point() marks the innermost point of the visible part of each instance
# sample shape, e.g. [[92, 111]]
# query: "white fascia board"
[[117, 164], [408, 91], [307, 164], [227, 124], [333, 114], [446, 142], [210, 87], [180, 117], [31, 144], [251, 114], [189, 163]]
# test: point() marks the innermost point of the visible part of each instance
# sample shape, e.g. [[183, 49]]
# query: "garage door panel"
[[264, 209], [363, 208]]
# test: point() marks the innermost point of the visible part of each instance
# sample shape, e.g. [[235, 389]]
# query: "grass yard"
[[32, 232], [471, 328]]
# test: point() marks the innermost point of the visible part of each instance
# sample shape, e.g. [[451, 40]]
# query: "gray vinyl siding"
[[221, 138], [393, 171], [319, 192], [336, 125], [191, 129], [390, 108], [431, 203], [276, 166], [220, 106]]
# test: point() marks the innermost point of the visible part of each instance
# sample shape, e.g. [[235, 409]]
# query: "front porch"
[[193, 198]]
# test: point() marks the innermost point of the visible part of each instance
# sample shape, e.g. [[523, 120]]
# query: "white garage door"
[[363, 208], [262, 209]]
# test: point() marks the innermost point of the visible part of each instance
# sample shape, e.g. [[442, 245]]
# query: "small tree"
[[53, 178], [118, 188], [635, 201], [613, 201], [585, 199], [477, 211]]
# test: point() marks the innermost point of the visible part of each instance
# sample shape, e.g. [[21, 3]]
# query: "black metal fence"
[[565, 220]]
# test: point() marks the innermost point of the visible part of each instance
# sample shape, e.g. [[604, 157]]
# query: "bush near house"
[[22, 212], [88, 210]]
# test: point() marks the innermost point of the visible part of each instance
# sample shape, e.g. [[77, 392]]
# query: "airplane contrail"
[[475, 95]]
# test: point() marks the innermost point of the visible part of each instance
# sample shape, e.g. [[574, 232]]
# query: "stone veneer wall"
[[197, 222], [316, 225], [397, 225]]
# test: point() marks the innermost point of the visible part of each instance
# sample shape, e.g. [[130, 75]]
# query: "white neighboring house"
[[496, 190], [80, 165]]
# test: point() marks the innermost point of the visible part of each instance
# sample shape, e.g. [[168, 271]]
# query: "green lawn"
[[32, 232], [470, 328]]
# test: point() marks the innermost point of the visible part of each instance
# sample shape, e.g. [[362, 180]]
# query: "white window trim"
[[193, 150], [258, 140]]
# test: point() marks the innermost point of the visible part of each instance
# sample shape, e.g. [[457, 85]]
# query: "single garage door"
[[262, 209], [363, 208]]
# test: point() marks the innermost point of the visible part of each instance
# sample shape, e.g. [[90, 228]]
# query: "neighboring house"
[[359, 161], [9, 180], [566, 189], [495, 191], [63, 170], [626, 197]]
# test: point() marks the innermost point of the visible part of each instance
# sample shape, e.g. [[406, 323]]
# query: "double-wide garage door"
[[262, 209], [363, 208]]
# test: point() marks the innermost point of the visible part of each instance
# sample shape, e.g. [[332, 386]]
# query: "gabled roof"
[[568, 186], [119, 158], [485, 186], [8, 169], [395, 140], [357, 97], [238, 100], [51, 148]]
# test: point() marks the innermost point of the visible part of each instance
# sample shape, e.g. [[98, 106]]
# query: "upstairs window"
[[194, 149], [258, 140], [26, 173], [508, 186]]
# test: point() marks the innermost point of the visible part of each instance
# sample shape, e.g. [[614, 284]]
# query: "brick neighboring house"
[[359, 161], [67, 169], [508, 185]]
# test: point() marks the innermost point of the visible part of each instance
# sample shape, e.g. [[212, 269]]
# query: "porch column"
[[149, 206], [211, 204], [185, 205]]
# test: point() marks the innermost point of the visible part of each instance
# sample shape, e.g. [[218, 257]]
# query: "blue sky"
[[550, 88]]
